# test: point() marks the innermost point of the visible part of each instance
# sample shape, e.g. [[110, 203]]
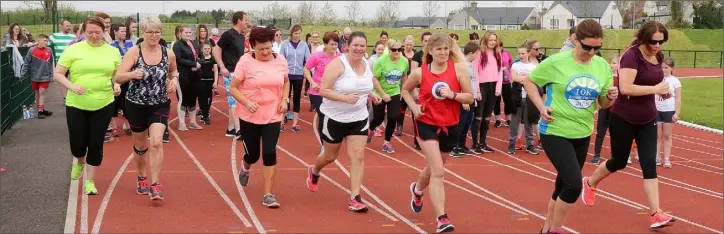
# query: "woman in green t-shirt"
[[89, 104], [390, 70], [574, 81]]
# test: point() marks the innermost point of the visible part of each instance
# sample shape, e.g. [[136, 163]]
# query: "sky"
[[369, 8]]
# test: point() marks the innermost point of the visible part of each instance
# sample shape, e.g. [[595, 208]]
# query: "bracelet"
[[455, 95]]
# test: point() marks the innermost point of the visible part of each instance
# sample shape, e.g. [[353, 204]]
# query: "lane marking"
[[71, 211], [107, 197], [240, 189]]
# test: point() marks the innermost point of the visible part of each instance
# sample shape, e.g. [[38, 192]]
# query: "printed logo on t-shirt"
[[582, 91], [436, 89], [394, 76]]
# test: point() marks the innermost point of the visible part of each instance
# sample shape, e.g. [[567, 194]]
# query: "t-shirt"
[[261, 82], [390, 73], [639, 109], [523, 69], [60, 41], [572, 91], [318, 62], [417, 57], [668, 104], [91, 68], [232, 48], [207, 68]]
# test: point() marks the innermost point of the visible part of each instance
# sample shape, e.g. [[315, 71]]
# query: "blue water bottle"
[[31, 112], [25, 112]]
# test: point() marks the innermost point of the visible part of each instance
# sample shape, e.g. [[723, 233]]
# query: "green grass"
[[551, 40], [702, 101]]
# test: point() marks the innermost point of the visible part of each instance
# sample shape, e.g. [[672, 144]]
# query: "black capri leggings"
[[206, 94], [483, 111], [622, 135], [266, 136], [393, 113], [568, 157], [188, 92], [86, 130], [507, 96], [295, 91]]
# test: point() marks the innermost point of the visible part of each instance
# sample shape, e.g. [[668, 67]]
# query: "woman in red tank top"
[[444, 85]]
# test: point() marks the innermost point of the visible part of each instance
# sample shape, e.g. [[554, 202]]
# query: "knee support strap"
[[140, 152]]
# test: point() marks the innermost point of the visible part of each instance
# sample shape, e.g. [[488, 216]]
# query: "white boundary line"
[[107, 197], [699, 127], [71, 212], [240, 189]]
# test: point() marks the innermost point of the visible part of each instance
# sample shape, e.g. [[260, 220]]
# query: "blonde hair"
[[150, 22], [441, 39], [392, 42]]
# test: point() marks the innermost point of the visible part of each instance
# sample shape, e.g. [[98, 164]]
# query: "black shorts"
[[316, 101], [140, 117], [665, 116], [334, 132], [445, 136], [119, 101]]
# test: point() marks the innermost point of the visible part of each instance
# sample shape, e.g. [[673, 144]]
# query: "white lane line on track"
[[240, 189]]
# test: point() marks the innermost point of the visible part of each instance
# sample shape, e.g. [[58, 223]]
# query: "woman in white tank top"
[[346, 87]]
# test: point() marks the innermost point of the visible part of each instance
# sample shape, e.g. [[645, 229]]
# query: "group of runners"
[[448, 89]]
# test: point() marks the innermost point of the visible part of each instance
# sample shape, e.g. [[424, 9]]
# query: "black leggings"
[[506, 94], [206, 94], [601, 129], [86, 130], [295, 92], [568, 157], [483, 111], [188, 92], [254, 135], [393, 113], [622, 135]]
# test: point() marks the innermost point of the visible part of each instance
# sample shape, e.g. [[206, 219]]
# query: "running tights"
[[623, 135], [260, 141], [568, 157], [506, 95], [295, 92], [206, 94], [483, 111], [601, 129], [86, 130], [393, 113]]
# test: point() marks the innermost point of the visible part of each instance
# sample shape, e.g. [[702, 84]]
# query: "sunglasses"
[[654, 42], [588, 47], [396, 49]]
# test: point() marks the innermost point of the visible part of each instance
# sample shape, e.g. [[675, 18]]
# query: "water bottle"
[[31, 112], [25, 112]]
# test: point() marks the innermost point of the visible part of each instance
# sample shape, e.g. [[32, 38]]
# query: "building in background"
[[566, 14]]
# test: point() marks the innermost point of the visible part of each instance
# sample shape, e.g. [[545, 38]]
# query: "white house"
[[566, 14], [493, 18], [661, 11]]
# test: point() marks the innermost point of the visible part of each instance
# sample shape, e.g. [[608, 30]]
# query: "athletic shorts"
[[140, 117], [227, 83], [316, 101], [37, 85], [445, 136], [665, 116], [119, 101], [334, 132]]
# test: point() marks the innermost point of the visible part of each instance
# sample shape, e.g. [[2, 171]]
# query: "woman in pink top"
[[490, 76], [261, 85], [318, 61]]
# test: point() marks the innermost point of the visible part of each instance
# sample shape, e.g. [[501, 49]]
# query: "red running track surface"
[[491, 193]]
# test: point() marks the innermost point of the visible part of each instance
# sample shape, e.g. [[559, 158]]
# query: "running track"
[[491, 193]]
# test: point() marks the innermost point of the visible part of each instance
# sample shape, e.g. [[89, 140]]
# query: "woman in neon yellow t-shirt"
[[89, 104]]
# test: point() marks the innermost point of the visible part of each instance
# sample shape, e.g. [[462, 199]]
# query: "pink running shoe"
[[357, 205], [661, 219], [588, 194], [444, 224], [312, 180]]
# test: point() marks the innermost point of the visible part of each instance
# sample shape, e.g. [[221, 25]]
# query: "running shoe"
[[270, 201], [478, 150], [532, 150], [398, 131], [596, 159], [487, 149], [290, 116], [370, 134], [90, 188], [155, 191], [296, 128], [387, 147], [518, 145], [465, 151], [76, 171], [588, 194], [312, 180], [511, 148], [244, 177], [455, 153], [142, 186], [498, 123], [658, 162], [166, 137], [416, 202], [667, 164], [444, 224], [661, 219], [230, 133], [357, 205]]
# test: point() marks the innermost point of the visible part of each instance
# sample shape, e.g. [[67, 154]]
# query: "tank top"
[[150, 90], [445, 112], [349, 82]]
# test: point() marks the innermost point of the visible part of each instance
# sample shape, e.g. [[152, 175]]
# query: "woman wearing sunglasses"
[[390, 71], [574, 80], [641, 78]]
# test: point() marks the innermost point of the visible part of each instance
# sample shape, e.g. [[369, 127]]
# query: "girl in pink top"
[[261, 85], [318, 61], [490, 76]]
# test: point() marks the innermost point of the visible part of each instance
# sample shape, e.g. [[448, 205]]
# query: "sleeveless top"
[[151, 90], [349, 82], [445, 112]]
